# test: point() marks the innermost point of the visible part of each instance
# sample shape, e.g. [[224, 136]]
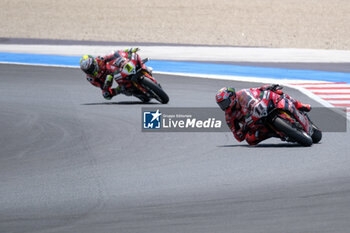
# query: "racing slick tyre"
[[143, 98], [317, 135], [296, 135], [156, 90]]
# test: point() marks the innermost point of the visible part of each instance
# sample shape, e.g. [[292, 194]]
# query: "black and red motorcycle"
[[287, 122], [139, 81]]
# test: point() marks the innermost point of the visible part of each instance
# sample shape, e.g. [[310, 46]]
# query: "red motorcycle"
[[281, 117], [137, 80]]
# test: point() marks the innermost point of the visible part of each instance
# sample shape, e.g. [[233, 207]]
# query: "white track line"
[[197, 53]]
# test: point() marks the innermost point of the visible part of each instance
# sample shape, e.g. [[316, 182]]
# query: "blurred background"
[[268, 23]]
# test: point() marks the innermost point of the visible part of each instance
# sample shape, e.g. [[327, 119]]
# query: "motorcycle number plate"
[[129, 68]]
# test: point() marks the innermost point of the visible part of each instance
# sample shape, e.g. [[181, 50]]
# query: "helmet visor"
[[224, 104], [91, 70]]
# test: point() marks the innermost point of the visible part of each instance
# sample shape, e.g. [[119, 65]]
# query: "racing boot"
[[303, 107], [298, 105]]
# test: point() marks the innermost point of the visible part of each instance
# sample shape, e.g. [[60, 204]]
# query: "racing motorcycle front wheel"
[[291, 132], [317, 135], [155, 90]]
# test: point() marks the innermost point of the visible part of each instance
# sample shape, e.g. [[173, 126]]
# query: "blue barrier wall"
[[189, 67]]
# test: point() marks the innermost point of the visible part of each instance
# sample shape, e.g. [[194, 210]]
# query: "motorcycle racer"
[[244, 108], [101, 70]]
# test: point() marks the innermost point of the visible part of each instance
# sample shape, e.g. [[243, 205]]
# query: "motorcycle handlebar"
[[145, 60]]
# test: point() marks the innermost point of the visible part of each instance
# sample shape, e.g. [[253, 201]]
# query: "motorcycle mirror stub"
[[145, 60]]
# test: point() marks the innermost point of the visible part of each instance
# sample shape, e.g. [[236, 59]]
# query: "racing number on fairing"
[[260, 110], [129, 67]]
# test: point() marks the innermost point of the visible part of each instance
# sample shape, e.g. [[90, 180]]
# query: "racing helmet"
[[89, 65], [225, 97]]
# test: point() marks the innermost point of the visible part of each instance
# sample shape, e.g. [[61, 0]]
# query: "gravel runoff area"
[[322, 24]]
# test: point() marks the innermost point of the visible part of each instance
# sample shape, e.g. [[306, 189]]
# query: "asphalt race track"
[[72, 162]]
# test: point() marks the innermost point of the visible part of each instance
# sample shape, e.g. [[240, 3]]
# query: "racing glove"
[[240, 130], [274, 87], [239, 135]]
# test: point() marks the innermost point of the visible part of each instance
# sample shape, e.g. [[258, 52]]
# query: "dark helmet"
[[225, 97], [89, 65]]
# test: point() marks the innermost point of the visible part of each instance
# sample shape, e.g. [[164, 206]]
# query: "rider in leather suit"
[[242, 107], [100, 76]]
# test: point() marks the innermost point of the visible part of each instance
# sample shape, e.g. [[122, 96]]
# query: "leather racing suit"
[[104, 78]]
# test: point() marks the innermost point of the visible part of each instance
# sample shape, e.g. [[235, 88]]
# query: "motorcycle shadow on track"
[[123, 103], [266, 145]]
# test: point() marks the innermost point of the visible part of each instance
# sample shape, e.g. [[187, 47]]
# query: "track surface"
[[72, 162]]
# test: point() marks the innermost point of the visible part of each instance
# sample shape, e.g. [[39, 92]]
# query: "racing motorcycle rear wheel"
[[291, 132], [155, 89]]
